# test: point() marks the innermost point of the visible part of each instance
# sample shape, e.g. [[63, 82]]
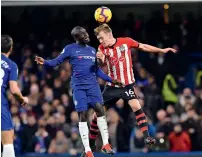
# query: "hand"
[[166, 50], [117, 82], [39, 60], [25, 101], [99, 55]]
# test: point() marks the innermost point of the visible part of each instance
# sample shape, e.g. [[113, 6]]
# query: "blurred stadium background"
[[169, 86]]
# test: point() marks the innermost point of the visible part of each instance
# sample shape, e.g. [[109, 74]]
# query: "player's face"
[[83, 36], [104, 38]]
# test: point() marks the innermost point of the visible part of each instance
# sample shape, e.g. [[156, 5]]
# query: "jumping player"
[[9, 75], [115, 52], [85, 87]]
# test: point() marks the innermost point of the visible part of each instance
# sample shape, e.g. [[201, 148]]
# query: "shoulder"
[[185, 133], [92, 48], [14, 64], [171, 135], [124, 39], [101, 47], [11, 63], [67, 48], [129, 41]]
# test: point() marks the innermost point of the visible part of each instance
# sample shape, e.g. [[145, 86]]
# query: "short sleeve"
[[132, 43], [13, 73]]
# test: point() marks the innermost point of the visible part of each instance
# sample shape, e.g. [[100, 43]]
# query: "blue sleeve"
[[64, 55], [13, 76], [102, 75]]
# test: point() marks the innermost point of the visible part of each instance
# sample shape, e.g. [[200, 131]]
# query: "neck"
[[5, 54], [83, 44], [113, 41]]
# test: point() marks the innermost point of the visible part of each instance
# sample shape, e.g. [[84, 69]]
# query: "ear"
[[75, 37], [11, 49]]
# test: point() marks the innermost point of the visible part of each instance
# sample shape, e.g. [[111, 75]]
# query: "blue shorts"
[[6, 119], [86, 96]]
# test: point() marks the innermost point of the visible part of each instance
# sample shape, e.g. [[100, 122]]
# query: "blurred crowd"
[[50, 124]]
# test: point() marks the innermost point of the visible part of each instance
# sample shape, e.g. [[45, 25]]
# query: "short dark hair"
[[75, 31], [6, 43]]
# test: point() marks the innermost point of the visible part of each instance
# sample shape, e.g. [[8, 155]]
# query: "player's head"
[[6, 44], [80, 35], [104, 35]]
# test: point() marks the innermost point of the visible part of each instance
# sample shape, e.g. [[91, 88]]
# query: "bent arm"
[[13, 85], [102, 75], [15, 90]]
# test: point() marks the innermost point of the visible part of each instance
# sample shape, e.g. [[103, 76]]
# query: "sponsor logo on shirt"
[[4, 64], [122, 48], [87, 57]]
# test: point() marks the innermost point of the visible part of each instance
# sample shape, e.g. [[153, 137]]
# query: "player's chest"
[[87, 56], [117, 54]]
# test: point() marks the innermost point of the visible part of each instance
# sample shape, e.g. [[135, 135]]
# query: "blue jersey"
[[9, 72], [83, 62]]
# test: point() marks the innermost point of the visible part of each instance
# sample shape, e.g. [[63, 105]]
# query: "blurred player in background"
[[9, 76], [85, 87], [115, 52]]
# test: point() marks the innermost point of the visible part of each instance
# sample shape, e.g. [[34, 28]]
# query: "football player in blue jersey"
[[9, 76], [86, 90]]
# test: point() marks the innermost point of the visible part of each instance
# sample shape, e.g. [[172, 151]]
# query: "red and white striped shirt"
[[118, 60]]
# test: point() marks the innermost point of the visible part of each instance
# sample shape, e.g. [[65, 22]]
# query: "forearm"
[[100, 62], [15, 90], [18, 95], [103, 76], [51, 63], [149, 48]]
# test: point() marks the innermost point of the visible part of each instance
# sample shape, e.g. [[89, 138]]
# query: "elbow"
[[14, 91], [143, 47]]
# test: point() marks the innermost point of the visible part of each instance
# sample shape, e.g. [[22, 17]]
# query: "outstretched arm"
[[149, 48], [51, 63], [54, 62]]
